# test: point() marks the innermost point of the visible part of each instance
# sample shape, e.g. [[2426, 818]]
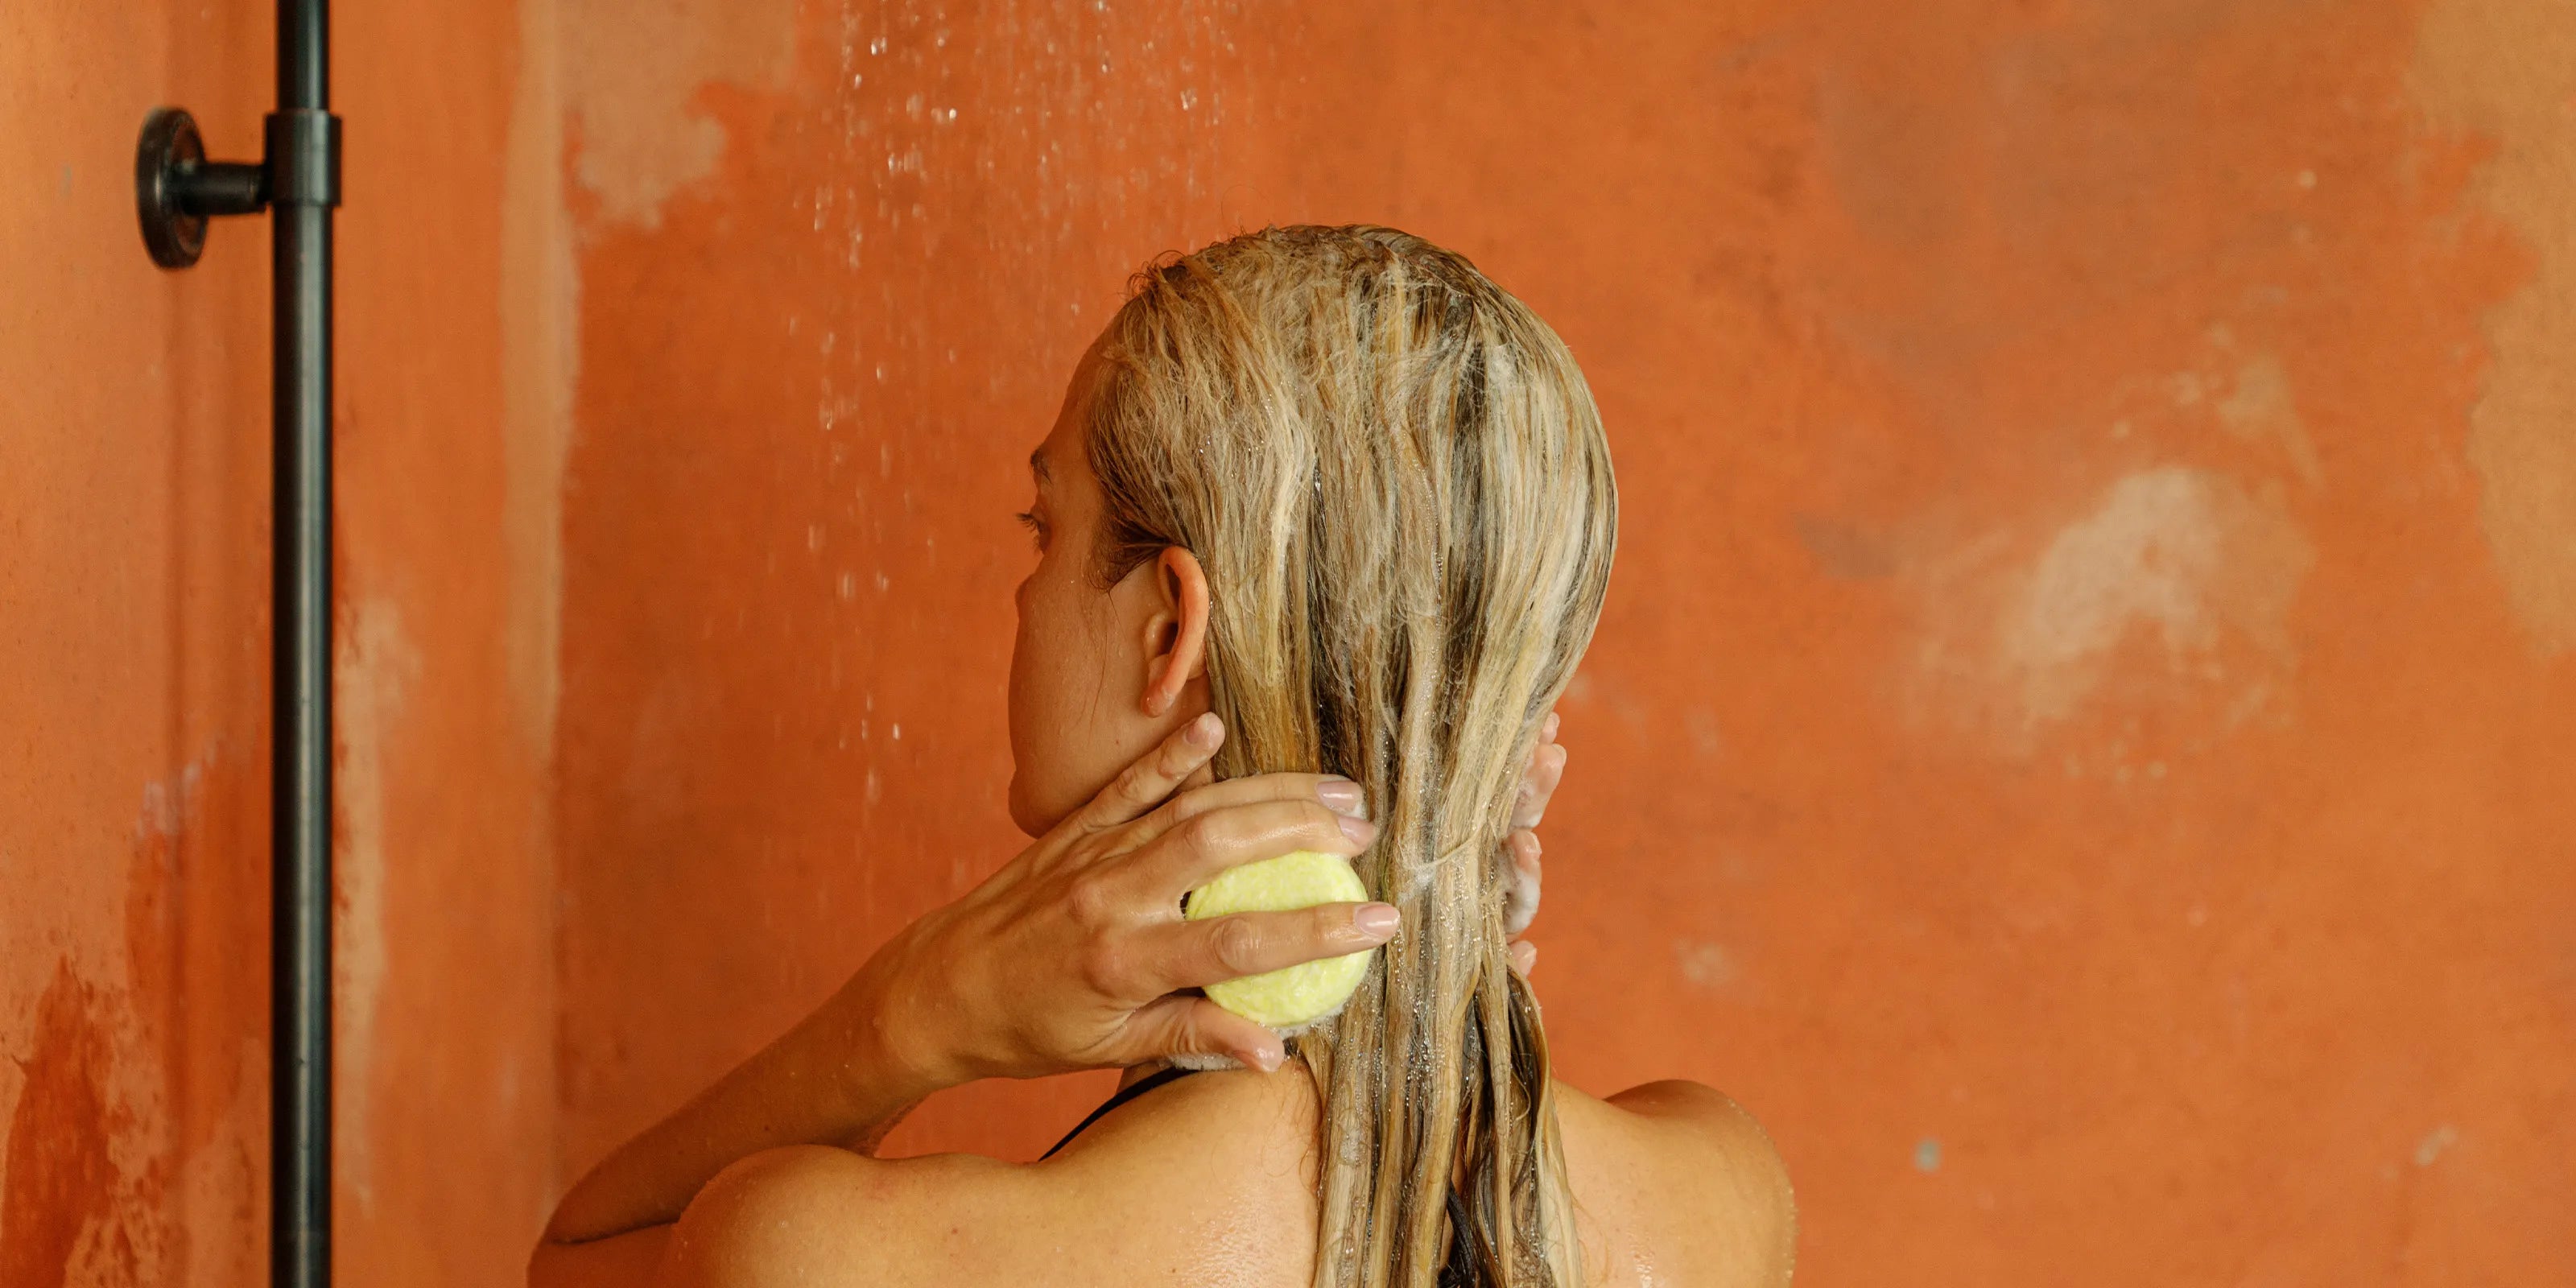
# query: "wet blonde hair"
[[1396, 480]]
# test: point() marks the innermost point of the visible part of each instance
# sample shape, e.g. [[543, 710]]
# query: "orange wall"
[[134, 641], [2078, 743], [133, 744]]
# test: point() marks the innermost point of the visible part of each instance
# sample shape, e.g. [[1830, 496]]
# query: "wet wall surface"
[[2079, 743]]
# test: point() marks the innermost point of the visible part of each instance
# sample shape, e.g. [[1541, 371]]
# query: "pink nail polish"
[[1342, 796], [1378, 919], [1203, 731], [1360, 830]]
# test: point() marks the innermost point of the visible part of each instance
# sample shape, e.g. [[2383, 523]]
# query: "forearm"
[[1074, 956], [838, 1078]]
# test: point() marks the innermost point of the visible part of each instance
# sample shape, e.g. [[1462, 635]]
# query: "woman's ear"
[[1176, 632]]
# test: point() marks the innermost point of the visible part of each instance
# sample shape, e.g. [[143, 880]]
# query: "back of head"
[[1397, 482]]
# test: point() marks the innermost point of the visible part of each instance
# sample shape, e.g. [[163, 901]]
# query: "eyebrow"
[[1038, 463]]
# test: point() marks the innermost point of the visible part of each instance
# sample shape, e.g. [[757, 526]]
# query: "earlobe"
[[1177, 644]]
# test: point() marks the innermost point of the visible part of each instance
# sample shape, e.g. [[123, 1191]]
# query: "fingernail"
[[1342, 796], [1377, 919], [1360, 830], [1203, 732], [1525, 957], [1535, 848], [1548, 734], [1265, 1060]]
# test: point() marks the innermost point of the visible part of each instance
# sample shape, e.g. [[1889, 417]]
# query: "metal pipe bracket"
[[303, 158], [177, 190]]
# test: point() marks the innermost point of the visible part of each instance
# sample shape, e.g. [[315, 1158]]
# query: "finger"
[[1529, 770], [1538, 784], [1524, 958], [1332, 791], [1195, 954], [1190, 853], [1547, 729], [1520, 904], [1143, 785], [1189, 1025]]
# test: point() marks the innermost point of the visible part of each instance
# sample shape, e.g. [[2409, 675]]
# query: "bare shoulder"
[[1203, 1181], [1210, 1181], [1676, 1183]]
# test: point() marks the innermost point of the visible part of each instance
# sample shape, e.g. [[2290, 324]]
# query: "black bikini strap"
[[1129, 1092]]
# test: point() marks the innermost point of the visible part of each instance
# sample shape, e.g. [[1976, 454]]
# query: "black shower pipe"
[[298, 183]]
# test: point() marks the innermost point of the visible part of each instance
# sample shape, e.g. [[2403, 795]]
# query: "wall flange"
[[176, 189]]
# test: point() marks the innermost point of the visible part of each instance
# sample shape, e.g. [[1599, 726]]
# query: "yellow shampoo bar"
[[1299, 995]]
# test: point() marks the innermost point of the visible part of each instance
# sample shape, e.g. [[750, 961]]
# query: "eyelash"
[[1037, 530]]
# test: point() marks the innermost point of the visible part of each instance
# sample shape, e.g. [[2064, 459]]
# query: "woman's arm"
[[832, 1079], [1073, 956]]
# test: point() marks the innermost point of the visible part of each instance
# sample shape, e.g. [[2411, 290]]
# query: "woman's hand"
[[1074, 955], [1538, 783]]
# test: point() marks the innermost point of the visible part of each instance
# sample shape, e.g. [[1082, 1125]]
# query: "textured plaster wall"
[[134, 645], [132, 743], [2081, 735], [2079, 744]]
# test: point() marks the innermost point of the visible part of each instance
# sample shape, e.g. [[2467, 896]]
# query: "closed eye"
[[1036, 526]]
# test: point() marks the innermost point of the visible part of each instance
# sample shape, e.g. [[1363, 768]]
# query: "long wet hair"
[[1396, 480]]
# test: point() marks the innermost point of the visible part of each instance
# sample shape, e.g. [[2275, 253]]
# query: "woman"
[[1324, 527]]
